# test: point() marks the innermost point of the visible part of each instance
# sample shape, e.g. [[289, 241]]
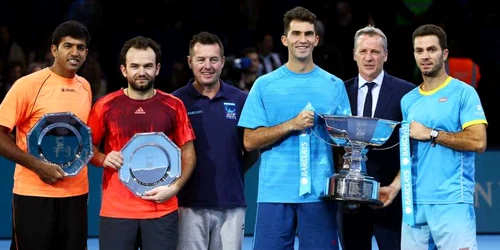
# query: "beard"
[[142, 88], [434, 71]]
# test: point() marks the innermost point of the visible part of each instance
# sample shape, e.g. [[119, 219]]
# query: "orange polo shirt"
[[27, 101]]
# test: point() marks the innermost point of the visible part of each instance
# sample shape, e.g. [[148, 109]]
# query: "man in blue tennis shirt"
[[448, 126], [279, 119]]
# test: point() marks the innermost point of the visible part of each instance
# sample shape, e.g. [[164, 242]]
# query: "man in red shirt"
[[128, 221]]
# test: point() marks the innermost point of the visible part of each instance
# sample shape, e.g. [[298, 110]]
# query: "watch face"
[[434, 133]]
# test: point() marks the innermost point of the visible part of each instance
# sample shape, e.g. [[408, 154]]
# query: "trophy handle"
[[323, 140], [386, 148]]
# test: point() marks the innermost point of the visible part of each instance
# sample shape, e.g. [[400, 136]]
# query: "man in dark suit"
[[374, 93]]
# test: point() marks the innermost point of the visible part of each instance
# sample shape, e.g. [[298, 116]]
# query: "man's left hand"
[[387, 194], [160, 194]]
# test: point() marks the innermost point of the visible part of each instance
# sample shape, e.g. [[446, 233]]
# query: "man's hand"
[[419, 132], [303, 120], [49, 173], [161, 194], [387, 195], [113, 160]]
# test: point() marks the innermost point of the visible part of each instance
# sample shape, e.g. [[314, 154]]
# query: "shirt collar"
[[223, 91], [378, 80]]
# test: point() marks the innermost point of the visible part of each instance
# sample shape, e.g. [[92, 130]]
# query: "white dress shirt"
[[363, 90]]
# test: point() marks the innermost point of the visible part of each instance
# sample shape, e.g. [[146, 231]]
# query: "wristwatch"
[[434, 135]]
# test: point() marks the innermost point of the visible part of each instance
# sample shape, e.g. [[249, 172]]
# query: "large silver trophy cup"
[[354, 134]]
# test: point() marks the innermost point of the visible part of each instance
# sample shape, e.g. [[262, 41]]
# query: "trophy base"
[[371, 202], [352, 187]]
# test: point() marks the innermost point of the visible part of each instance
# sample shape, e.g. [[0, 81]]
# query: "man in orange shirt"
[[128, 221], [49, 210]]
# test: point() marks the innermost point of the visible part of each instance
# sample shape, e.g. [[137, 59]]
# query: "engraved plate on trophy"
[[62, 139], [354, 134], [149, 160]]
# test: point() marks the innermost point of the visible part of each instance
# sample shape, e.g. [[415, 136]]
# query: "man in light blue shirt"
[[448, 126], [279, 119]]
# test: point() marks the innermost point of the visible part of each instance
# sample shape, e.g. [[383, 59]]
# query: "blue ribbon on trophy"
[[305, 158], [406, 175]]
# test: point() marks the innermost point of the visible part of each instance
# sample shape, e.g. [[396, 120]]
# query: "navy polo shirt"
[[217, 180]]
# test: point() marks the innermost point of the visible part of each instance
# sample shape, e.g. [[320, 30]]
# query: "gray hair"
[[370, 31]]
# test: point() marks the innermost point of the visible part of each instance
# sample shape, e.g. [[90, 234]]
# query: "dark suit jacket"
[[383, 165]]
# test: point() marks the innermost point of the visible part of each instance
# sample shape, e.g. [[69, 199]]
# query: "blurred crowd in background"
[[251, 31]]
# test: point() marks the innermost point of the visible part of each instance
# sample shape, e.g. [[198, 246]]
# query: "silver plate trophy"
[[149, 160], [62, 139], [354, 134]]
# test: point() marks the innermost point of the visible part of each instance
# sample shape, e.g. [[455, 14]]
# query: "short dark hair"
[[429, 30], [300, 14], [72, 29], [206, 38], [140, 42]]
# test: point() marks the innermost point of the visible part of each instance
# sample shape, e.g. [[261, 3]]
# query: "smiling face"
[[370, 56], [69, 56], [206, 62], [429, 56], [300, 40], [141, 68]]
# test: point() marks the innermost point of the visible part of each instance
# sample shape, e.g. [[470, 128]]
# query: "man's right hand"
[[303, 120], [49, 173], [114, 160]]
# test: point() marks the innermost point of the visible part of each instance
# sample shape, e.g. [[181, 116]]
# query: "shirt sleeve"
[[471, 110], [253, 114], [96, 122], [15, 105], [183, 131], [343, 107]]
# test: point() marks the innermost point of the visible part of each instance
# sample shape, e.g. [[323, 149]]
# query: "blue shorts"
[[444, 226], [315, 224]]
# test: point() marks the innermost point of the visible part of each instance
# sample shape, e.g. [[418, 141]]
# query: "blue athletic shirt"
[[441, 175], [280, 96]]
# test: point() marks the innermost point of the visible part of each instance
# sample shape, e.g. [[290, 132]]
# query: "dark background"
[[472, 27]]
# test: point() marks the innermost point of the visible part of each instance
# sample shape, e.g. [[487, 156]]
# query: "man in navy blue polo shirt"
[[212, 203]]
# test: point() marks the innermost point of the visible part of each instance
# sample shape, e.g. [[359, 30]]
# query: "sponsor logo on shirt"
[[67, 90], [196, 112], [230, 110], [443, 99], [479, 110], [140, 111]]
